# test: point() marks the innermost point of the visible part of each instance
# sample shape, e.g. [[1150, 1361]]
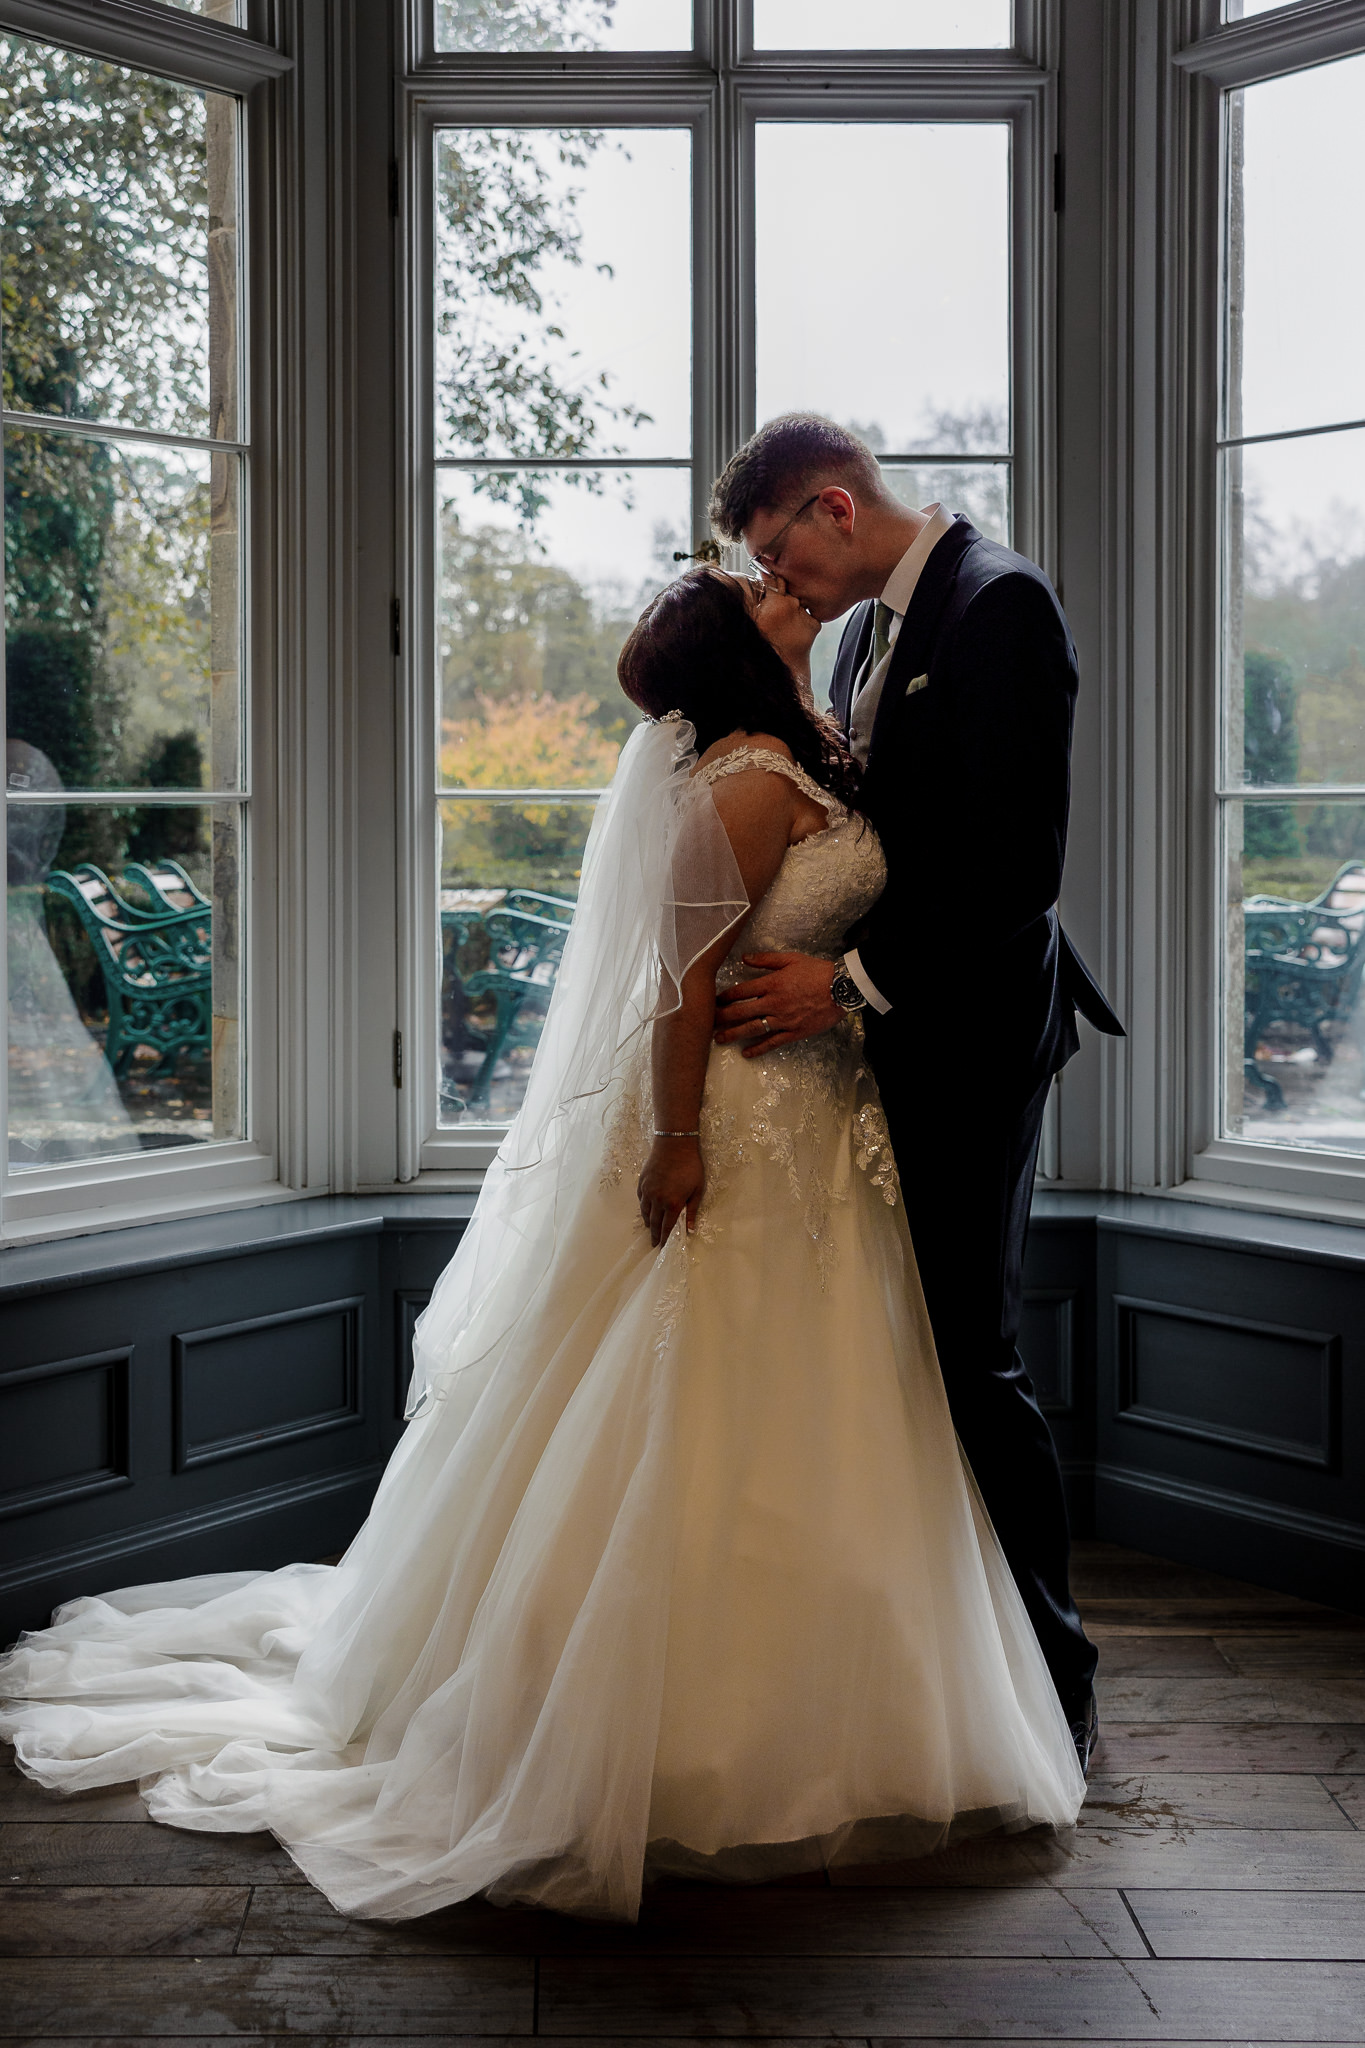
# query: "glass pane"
[[229, 11], [1296, 282], [541, 580], [1296, 610], [913, 352], [122, 611], [980, 489], [124, 974], [509, 881], [563, 24], [1294, 951], [1242, 10], [118, 197], [882, 25], [563, 291]]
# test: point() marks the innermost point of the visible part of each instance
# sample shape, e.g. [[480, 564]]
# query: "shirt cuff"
[[869, 987]]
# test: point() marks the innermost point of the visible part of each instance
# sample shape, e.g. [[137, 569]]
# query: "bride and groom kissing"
[[732, 1545]]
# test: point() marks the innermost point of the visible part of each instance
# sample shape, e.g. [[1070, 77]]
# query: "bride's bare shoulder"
[[752, 742]]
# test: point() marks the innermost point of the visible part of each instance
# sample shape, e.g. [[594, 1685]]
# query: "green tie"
[[881, 633]]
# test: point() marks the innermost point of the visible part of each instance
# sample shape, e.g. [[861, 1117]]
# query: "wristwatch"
[[845, 991]]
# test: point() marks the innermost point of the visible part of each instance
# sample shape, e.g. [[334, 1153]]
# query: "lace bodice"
[[826, 882], [788, 1106]]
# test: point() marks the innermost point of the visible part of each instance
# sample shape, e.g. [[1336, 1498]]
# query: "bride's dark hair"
[[696, 649]]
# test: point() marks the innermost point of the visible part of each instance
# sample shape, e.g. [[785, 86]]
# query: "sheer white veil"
[[660, 885]]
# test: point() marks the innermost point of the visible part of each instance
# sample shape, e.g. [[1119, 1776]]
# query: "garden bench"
[[1303, 967], [157, 961], [511, 953]]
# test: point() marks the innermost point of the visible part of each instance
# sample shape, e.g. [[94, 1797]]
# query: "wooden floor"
[[1214, 1892]]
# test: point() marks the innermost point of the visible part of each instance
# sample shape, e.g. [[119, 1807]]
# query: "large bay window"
[[1279, 544], [634, 231], [130, 1071]]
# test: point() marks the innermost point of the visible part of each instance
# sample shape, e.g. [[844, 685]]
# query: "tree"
[[102, 291], [521, 24], [504, 207], [1271, 747]]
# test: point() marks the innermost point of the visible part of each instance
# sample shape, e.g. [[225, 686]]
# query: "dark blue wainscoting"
[[223, 1393], [203, 1396]]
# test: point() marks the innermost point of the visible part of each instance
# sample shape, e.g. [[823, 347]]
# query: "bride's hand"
[[673, 1181]]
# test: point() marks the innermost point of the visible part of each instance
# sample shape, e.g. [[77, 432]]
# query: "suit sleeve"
[[986, 849]]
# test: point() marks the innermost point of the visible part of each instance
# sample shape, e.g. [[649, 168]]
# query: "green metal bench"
[[516, 947], [1303, 967], [156, 959]]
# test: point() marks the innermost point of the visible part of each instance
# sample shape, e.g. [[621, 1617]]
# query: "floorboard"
[[1213, 1893]]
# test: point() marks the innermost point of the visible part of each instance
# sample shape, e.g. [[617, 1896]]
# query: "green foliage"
[[514, 625], [1271, 746], [173, 762], [514, 846], [520, 24], [103, 292], [103, 259], [1304, 634], [503, 207]]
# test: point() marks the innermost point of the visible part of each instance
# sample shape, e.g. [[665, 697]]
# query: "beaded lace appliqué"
[[826, 882]]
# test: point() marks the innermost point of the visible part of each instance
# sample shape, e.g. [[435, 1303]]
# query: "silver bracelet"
[[677, 1134]]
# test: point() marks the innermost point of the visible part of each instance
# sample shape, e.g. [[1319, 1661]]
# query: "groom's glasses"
[[765, 559]]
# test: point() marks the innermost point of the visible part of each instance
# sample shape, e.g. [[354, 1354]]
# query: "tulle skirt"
[[685, 1574]]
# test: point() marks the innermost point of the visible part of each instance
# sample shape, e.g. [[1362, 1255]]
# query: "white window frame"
[[299, 955], [1162, 1116], [721, 88]]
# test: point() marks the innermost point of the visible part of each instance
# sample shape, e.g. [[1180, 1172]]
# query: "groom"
[[955, 682]]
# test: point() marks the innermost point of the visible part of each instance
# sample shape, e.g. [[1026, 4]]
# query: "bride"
[[678, 1567]]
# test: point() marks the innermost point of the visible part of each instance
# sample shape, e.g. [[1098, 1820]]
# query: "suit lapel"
[[853, 645], [913, 652]]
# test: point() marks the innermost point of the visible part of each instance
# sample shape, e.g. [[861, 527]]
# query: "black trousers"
[[966, 1170]]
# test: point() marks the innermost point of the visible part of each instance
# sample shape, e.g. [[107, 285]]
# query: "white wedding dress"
[[681, 1570]]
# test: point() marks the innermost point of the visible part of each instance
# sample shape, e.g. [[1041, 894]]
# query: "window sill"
[[462, 1152], [1277, 1177], [279, 1218], [77, 1201]]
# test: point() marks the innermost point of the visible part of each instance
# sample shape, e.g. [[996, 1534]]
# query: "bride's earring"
[[709, 551]]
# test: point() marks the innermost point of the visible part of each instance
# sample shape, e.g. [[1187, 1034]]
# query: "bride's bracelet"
[[677, 1134]]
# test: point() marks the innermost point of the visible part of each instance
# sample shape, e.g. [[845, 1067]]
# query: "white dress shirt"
[[867, 691]]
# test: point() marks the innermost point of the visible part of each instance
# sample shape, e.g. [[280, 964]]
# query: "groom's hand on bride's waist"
[[786, 999]]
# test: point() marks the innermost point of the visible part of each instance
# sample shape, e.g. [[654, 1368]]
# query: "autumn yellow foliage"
[[527, 742]]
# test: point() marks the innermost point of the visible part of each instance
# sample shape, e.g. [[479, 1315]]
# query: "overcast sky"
[[882, 290]]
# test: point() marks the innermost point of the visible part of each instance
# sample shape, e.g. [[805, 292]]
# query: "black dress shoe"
[[1085, 1732]]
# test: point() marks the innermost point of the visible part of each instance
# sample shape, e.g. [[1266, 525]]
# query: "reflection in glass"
[[563, 24], [1295, 947], [118, 208], [914, 352], [532, 614], [123, 973], [563, 291], [1295, 524], [509, 881], [122, 611], [882, 25], [1296, 283], [229, 11]]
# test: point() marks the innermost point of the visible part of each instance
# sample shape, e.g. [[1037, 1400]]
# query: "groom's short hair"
[[787, 460]]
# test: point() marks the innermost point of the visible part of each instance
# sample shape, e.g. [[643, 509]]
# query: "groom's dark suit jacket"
[[968, 785], [968, 781]]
